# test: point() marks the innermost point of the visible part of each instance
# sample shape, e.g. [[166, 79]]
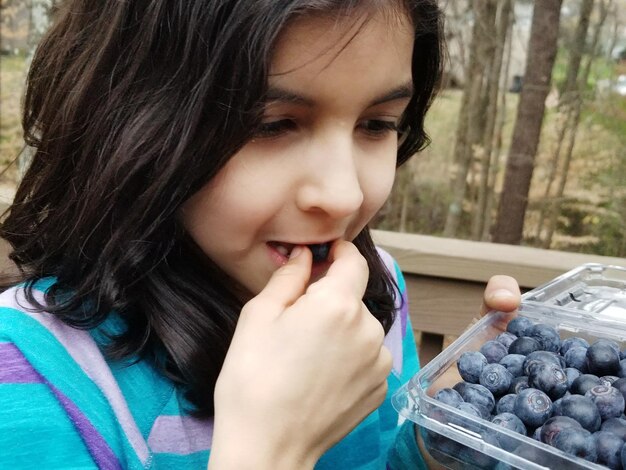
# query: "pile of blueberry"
[[565, 393]]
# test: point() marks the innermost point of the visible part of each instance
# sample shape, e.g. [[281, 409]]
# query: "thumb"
[[289, 282]]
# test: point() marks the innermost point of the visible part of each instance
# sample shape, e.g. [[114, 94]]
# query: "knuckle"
[[253, 304], [381, 392], [375, 330], [386, 360], [334, 301]]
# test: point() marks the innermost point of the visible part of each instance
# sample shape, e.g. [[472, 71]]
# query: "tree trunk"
[[530, 111], [493, 82], [578, 104], [470, 127], [567, 103], [39, 16], [494, 165]]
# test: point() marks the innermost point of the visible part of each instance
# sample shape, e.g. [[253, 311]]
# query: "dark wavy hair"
[[131, 107]]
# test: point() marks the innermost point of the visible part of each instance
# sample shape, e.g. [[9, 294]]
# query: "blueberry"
[[572, 374], [620, 384], [616, 426], [556, 407], [623, 456], [576, 357], [535, 454], [584, 383], [470, 365], [518, 384], [621, 372], [470, 409], [496, 378], [577, 442], [537, 434], [514, 364], [440, 447], [506, 338], [609, 342], [547, 336], [493, 351], [539, 357], [602, 358], [609, 380], [506, 404], [449, 396], [553, 426], [524, 345], [480, 397], [320, 251], [622, 354], [580, 408], [460, 387], [608, 448], [608, 400], [574, 341], [548, 378], [518, 326], [533, 407], [509, 421], [475, 459]]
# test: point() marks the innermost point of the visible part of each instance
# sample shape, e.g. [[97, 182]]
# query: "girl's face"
[[323, 161]]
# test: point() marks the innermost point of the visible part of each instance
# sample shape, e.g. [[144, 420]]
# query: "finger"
[[288, 282], [502, 293], [348, 267]]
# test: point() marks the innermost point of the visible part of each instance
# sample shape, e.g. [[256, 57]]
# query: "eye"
[[379, 127], [274, 128]]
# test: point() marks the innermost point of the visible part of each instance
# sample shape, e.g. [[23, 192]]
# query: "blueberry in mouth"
[[320, 251]]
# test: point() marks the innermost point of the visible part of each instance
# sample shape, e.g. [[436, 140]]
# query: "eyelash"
[[380, 127], [268, 130], [375, 128]]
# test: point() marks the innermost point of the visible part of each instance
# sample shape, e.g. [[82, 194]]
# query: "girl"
[[196, 275]]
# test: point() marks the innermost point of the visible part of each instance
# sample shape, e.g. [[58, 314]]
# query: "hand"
[[305, 366]]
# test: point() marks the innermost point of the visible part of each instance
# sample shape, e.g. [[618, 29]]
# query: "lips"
[[319, 250]]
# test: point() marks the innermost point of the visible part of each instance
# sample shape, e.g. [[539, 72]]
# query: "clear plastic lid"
[[594, 288]]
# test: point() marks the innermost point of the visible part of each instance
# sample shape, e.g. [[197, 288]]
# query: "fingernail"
[[295, 252], [501, 294]]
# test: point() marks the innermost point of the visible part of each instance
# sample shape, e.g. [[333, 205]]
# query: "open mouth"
[[319, 250]]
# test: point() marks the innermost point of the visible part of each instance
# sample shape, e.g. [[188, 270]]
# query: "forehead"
[[318, 41]]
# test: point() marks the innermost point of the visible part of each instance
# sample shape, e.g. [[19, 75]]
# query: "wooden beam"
[[477, 261]]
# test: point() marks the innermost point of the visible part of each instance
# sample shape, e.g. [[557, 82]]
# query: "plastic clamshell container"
[[588, 301]]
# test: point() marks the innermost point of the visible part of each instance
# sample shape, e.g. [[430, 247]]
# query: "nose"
[[331, 182]]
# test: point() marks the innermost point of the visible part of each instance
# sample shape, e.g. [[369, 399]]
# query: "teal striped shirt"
[[66, 405]]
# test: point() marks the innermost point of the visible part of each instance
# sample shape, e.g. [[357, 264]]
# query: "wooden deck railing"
[[446, 277]]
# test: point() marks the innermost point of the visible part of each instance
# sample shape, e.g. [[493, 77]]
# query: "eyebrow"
[[287, 96]]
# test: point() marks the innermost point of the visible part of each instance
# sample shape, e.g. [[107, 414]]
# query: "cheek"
[[378, 183]]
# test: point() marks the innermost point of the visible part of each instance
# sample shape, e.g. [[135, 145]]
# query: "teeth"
[[283, 250]]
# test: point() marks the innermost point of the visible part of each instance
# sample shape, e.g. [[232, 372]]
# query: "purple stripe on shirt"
[[14, 368], [180, 435], [404, 313], [393, 342], [393, 339], [82, 348], [103, 455]]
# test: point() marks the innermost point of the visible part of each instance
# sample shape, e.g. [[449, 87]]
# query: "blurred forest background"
[[528, 131]]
